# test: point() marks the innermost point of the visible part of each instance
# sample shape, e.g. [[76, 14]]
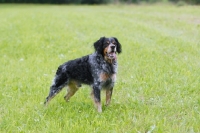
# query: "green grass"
[[158, 83]]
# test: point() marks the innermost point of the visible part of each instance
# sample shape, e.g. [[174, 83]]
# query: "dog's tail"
[[59, 82]]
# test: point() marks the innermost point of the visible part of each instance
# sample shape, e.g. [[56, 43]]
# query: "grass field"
[[158, 83]]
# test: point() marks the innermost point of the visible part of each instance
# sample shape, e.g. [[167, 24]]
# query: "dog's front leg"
[[108, 96], [96, 94]]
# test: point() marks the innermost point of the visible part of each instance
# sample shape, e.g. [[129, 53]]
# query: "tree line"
[[96, 1]]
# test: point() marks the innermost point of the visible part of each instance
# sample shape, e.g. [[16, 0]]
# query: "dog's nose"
[[112, 47]]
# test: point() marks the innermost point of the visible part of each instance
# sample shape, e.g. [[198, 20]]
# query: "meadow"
[[158, 82]]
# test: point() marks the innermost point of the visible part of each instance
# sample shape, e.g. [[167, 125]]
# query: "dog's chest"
[[107, 80]]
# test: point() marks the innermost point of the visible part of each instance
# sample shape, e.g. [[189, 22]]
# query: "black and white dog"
[[97, 70]]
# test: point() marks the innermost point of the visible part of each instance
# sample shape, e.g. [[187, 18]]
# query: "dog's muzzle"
[[111, 54]]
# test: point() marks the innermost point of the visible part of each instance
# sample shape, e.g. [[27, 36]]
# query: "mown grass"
[[157, 87]]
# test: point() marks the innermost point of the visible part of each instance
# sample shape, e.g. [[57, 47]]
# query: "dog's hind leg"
[[59, 83], [71, 90], [53, 91]]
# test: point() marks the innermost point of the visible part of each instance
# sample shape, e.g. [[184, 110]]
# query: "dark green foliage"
[[95, 1], [56, 1], [92, 1]]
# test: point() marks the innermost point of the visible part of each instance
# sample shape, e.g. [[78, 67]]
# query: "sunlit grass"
[[157, 87]]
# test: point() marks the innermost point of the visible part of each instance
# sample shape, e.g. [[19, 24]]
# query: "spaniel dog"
[[97, 70]]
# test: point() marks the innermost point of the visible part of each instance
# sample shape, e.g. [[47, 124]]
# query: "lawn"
[[158, 82]]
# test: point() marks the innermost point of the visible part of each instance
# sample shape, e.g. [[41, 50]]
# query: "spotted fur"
[[97, 70]]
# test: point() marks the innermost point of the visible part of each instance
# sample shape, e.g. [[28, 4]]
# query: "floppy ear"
[[119, 47], [98, 45]]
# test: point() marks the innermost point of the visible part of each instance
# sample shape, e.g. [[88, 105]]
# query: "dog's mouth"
[[111, 55]]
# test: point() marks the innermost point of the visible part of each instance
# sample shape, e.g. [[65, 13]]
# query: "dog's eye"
[[108, 42], [114, 43]]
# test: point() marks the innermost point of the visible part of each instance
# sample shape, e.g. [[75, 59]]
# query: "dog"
[[97, 70]]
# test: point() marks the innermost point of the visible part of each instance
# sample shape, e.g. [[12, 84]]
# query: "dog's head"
[[108, 47]]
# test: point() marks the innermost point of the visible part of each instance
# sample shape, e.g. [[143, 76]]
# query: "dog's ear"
[[119, 47], [98, 45]]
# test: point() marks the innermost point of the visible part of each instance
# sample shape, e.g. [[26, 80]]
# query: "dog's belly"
[[81, 75]]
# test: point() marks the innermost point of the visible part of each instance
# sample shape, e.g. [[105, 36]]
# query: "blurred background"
[[100, 1]]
